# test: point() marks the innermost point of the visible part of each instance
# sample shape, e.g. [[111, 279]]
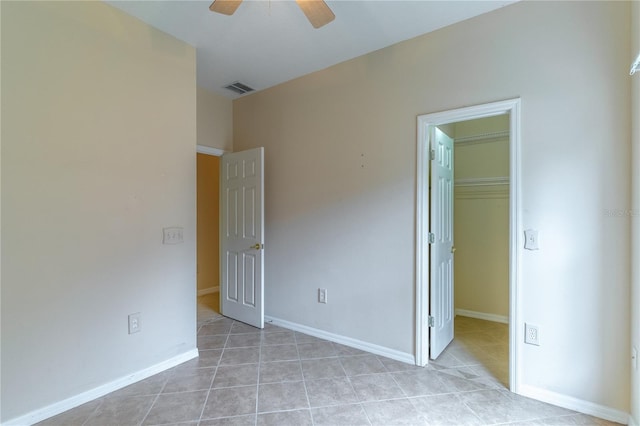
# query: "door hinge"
[[431, 321], [433, 154], [432, 238]]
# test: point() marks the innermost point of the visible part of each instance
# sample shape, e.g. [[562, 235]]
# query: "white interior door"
[[441, 265], [242, 236]]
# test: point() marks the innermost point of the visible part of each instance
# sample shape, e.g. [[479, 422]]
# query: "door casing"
[[516, 333]]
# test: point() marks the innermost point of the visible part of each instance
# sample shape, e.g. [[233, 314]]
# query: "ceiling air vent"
[[239, 88]]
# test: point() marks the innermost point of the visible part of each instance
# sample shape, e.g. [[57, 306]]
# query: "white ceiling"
[[267, 42]]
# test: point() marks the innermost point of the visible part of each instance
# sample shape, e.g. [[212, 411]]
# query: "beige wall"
[[215, 120], [208, 200], [481, 220], [340, 149], [98, 155], [635, 217]]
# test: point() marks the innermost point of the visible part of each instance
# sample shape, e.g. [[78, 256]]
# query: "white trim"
[[343, 340], [632, 421], [482, 138], [422, 245], [575, 404], [483, 316], [84, 397], [209, 290], [511, 107], [201, 149], [516, 332]]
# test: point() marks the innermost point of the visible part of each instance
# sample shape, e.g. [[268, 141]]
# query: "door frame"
[[516, 333], [214, 152]]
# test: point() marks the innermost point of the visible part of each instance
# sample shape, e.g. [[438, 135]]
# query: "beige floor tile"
[[316, 350], [243, 340], [279, 338], [334, 391], [248, 420], [280, 371], [236, 356], [186, 380], [375, 387], [322, 368], [418, 384], [236, 375], [282, 396], [394, 412], [228, 402], [362, 364], [279, 353], [247, 376], [76, 416], [352, 414], [446, 409], [121, 410], [176, 408], [286, 418]]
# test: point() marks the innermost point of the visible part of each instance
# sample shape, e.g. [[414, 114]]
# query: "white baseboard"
[[483, 316], [343, 340], [208, 290], [575, 404], [84, 397]]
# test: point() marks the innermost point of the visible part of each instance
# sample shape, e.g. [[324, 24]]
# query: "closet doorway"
[[480, 347], [486, 199], [208, 231]]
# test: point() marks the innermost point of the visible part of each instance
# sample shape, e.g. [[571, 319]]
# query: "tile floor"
[[245, 376]]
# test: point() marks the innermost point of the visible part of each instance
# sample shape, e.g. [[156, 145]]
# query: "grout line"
[[440, 370], [255, 421], [154, 401], [94, 411], [304, 381], [215, 373]]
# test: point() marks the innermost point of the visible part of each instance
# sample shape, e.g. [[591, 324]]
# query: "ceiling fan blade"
[[316, 11], [226, 7]]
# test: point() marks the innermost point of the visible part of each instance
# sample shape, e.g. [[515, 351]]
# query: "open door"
[[242, 236], [441, 239]]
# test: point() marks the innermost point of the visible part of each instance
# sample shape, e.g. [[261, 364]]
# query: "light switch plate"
[[172, 235], [531, 239]]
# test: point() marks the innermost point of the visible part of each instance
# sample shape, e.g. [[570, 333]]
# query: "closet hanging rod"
[[482, 137]]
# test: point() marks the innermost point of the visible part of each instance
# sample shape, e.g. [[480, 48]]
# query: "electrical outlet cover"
[[134, 323], [531, 334]]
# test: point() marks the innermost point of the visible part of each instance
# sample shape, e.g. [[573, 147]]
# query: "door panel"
[[241, 240], [441, 275]]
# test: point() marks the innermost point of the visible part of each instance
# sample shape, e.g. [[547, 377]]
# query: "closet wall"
[[208, 206], [481, 218]]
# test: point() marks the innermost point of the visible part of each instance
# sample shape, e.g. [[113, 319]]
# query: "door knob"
[[257, 246], [453, 249]]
